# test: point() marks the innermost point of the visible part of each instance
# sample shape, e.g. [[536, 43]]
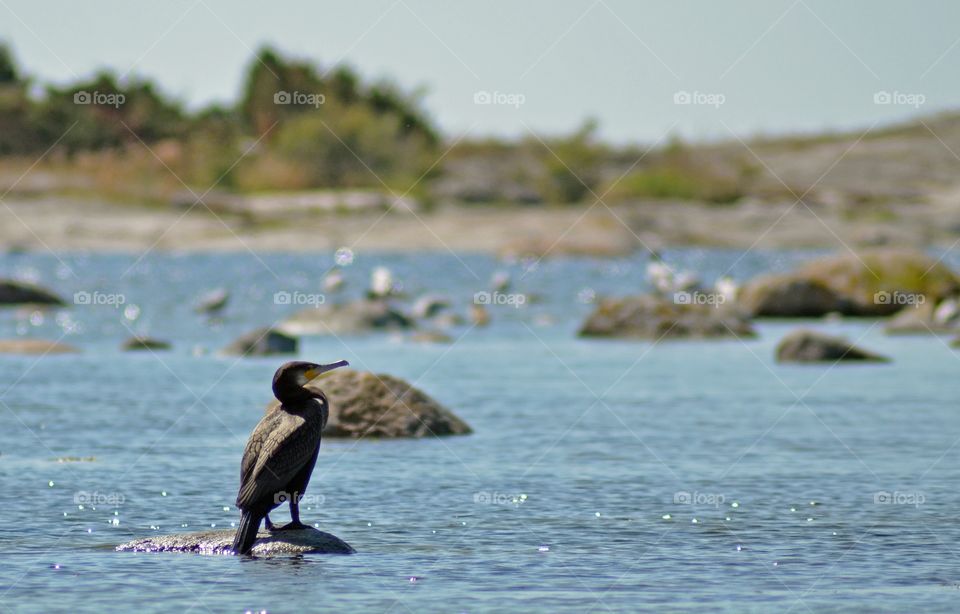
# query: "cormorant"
[[282, 451]]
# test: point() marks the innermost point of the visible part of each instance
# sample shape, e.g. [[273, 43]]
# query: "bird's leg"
[[269, 526], [295, 523]]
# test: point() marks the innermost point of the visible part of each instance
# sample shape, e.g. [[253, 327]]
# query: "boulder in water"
[[143, 343], [282, 543], [263, 342], [874, 282], [14, 292], [366, 405], [811, 346], [786, 296], [655, 317]]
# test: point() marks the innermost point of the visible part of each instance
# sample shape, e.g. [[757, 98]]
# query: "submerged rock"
[[14, 292], [811, 346], [305, 541], [143, 343], [655, 317], [262, 342], [213, 301], [431, 336], [875, 282], [35, 346], [366, 405], [360, 316]]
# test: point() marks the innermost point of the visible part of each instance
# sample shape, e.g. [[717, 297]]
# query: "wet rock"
[[14, 292], [811, 346], [213, 302], [283, 543], [430, 336], [654, 317], [143, 343], [35, 346], [875, 282], [366, 405], [362, 316], [784, 296], [263, 342]]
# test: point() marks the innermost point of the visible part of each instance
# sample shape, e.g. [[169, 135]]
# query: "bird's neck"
[[298, 399]]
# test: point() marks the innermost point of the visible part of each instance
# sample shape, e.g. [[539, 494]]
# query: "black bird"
[[282, 451]]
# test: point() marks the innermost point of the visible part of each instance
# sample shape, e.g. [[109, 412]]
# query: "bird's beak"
[[318, 370]]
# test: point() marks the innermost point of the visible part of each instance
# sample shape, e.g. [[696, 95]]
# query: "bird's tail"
[[246, 533]]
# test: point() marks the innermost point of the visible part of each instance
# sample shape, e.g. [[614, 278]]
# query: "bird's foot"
[[291, 526]]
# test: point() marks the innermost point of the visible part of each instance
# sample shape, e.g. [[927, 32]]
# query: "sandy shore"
[[61, 224]]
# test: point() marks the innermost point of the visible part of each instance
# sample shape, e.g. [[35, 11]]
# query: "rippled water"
[[602, 475]]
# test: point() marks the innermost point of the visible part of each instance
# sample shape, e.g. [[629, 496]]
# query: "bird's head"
[[291, 377]]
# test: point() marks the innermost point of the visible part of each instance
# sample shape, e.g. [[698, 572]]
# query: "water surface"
[[602, 475]]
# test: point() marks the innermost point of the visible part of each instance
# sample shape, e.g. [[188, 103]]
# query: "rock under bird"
[[282, 451]]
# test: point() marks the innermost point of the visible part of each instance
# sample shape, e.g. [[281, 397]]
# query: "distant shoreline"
[[60, 223]]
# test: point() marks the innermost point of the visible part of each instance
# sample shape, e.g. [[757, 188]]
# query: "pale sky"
[[756, 66]]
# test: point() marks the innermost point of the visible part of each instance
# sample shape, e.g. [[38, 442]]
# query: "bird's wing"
[[255, 444], [287, 447]]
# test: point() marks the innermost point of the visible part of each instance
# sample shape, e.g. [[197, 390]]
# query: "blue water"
[[602, 475]]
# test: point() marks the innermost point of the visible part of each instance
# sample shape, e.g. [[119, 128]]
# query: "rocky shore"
[[63, 224]]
